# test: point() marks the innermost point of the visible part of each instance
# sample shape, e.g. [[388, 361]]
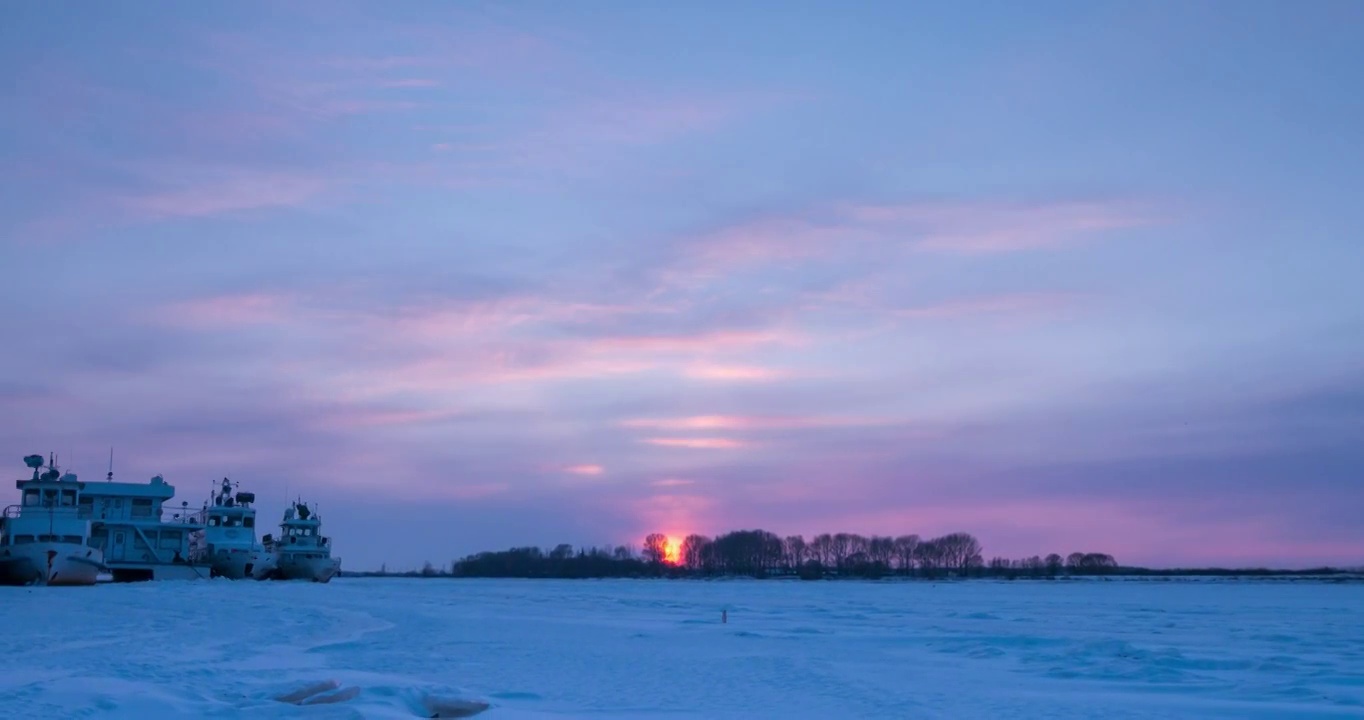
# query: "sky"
[[1077, 276]]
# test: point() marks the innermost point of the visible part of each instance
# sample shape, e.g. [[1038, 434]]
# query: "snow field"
[[658, 649]]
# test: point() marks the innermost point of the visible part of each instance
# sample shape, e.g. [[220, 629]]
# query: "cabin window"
[[170, 539], [118, 538], [234, 522], [142, 507], [23, 539], [68, 498], [49, 497], [213, 521], [73, 539], [249, 521], [31, 498], [47, 538]]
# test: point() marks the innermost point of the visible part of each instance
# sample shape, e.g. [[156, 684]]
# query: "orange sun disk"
[[672, 552]]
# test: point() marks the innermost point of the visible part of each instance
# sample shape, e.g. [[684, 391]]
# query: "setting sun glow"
[[672, 552]]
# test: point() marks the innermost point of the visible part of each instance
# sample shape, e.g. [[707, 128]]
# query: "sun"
[[672, 551]]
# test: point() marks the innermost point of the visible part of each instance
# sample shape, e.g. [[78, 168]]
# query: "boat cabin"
[[230, 520], [301, 533], [129, 521], [48, 509]]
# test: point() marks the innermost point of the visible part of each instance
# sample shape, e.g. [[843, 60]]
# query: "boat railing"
[[197, 517], [14, 511]]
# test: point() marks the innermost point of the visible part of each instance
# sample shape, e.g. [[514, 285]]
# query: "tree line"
[[759, 553]]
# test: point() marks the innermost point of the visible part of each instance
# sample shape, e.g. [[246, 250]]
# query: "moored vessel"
[[302, 552], [227, 544], [46, 538], [128, 521]]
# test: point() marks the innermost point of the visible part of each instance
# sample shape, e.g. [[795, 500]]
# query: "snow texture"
[[657, 649]]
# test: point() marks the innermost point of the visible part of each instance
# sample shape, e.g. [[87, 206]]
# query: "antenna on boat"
[[110, 476]]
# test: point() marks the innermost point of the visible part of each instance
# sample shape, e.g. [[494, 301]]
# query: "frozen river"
[[657, 649]]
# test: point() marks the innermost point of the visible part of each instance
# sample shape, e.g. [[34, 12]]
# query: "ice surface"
[[657, 649]]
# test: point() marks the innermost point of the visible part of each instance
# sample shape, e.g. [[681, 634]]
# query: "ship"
[[302, 552], [47, 538], [128, 522], [227, 544]]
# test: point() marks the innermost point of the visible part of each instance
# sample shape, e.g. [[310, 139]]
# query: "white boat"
[[46, 539], [227, 544], [128, 522], [302, 552]]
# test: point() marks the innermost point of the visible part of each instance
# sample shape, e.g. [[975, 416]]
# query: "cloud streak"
[[699, 443]]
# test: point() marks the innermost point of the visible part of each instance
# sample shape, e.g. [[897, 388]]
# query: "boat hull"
[[239, 564], [290, 566], [50, 563]]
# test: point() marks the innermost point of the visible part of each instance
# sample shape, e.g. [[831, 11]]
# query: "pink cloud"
[[708, 443], [771, 239], [446, 375], [695, 343], [753, 373], [994, 304], [850, 230], [672, 482], [363, 418], [580, 138], [387, 62], [466, 344], [489, 317], [411, 83], [229, 310], [584, 469], [202, 192], [732, 422], [975, 228]]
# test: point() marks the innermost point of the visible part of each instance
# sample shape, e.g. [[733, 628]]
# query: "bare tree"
[[842, 547], [655, 547], [795, 551], [858, 545], [929, 556], [694, 552], [823, 549], [881, 550], [905, 548]]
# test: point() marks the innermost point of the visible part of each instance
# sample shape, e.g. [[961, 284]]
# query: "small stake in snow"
[[724, 617]]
